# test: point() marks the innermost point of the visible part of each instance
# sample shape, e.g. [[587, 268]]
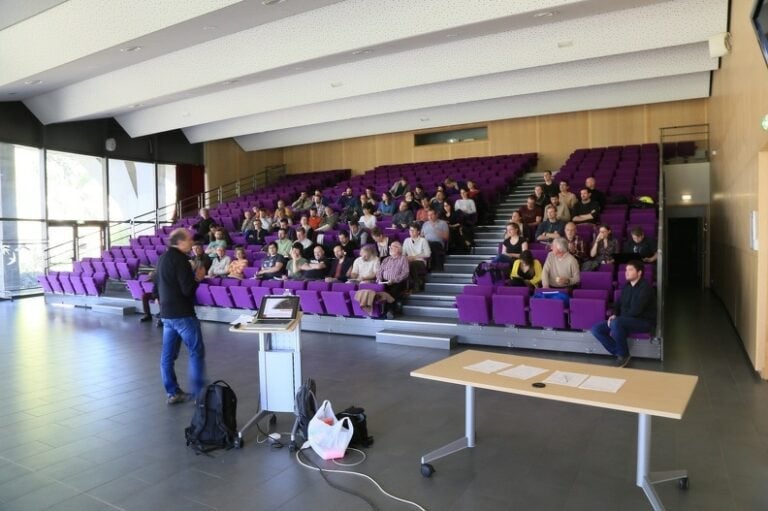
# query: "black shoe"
[[146, 318], [179, 397], [622, 361]]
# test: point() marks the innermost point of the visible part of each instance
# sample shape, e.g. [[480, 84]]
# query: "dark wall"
[[19, 126]]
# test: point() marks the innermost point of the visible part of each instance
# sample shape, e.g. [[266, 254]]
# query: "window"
[[75, 186]]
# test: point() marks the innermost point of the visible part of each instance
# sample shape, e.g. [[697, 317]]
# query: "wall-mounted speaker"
[[720, 45]]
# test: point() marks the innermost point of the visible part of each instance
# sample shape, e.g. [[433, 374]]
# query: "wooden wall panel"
[[513, 136], [359, 154], [328, 155], [468, 149], [394, 148], [675, 113], [431, 152], [298, 158], [616, 126], [738, 100], [559, 135]]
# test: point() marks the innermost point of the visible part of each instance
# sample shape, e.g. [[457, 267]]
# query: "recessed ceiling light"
[[686, 197], [130, 49], [545, 14], [336, 84], [136, 105], [271, 2], [362, 52], [33, 82]]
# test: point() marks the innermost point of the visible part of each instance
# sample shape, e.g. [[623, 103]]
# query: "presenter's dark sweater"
[[175, 284]]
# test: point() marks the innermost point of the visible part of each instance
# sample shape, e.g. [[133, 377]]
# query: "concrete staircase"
[[438, 300]]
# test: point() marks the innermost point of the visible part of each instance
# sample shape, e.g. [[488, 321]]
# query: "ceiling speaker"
[[720, 45]]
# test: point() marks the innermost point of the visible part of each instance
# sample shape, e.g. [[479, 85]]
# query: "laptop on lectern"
[[277, 311]]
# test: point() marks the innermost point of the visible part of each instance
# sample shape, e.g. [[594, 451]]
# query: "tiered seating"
[[74, 283]]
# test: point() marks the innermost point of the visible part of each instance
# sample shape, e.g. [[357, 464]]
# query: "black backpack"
[[359, 421], [214, 424], [306, 405]]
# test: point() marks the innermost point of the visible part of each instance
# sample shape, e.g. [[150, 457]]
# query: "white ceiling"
[[300, 71]]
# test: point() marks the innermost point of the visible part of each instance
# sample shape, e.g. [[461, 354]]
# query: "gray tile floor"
[[84, 426]]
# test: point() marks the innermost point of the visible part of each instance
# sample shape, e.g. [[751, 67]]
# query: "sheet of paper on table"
[[566, 378], [488, 366], [602, 384], [523, 372]]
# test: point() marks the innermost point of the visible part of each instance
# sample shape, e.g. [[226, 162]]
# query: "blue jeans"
[[614, 338], [176, 331]]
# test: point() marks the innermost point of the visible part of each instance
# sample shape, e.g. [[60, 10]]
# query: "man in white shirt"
[[365, 267], [436, 232], [416, 250]]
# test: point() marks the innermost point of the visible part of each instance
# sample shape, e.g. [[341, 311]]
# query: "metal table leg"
[[467, 441], [645, 478]]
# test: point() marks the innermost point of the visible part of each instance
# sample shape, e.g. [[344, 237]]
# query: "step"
[[444, 299], [444, 287], [450, 278], [460, 267], [465, 258], [431, 311], [417, 339], [117, 310], [486, 251]]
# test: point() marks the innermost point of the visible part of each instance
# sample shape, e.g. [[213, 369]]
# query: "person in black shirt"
[[203, 227], [176, 284], [587, 210], [596, 194], [635, 311], [644, 248], [317, 267], [550, 187]]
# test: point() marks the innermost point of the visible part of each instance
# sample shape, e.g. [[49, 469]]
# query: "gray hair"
[[561, 244]]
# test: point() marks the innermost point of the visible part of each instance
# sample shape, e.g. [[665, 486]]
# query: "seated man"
[[550, 228], [404, 216], [561, 269], [597, 196], [317, 267], [284, 244], [329, 221], [586, 210], [290, 232], [645, 248], [365, 267], [307, 247], [531, 214], [302, 203], [393, 272], [563, 212], [340, 265], [635, 311], [203, 226], [436, 232], [218, 241], [357, 235], [423, 212], [247, 223], [272, 266], [199, 258], [314, 219], [550, 187], [399, 187], [575, 243], [220, 264], [347, 244], [416, 250]]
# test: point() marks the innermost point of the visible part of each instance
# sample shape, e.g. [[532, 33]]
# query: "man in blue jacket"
[[634, 312], [176, 284]]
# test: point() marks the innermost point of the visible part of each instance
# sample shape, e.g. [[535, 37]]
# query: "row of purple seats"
[[316, 297], [117, 270], [73, 283]]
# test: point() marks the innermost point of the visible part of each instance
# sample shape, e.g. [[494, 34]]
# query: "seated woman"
[[387, 206], [603, 249], [220, 263], [412, 203], [368, 220], [423, 212], [239, 264], [456, 239], [513, 245], [403, 218], [526, 271], [294, 264], [382, 242]]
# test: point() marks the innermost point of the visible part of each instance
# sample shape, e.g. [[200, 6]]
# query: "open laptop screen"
[[278, 307]]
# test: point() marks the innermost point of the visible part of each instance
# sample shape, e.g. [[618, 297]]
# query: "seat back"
[[596, 280], [241, 297], [586, 312], [134, 287], [310, 301], [478, 290], [203, 295], [509, 309], [337, 302], [473, 309], [547, 313], [220, 295]]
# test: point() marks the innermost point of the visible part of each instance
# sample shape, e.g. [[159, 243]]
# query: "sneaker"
[[179, 397], [144, 319], [622, 361]]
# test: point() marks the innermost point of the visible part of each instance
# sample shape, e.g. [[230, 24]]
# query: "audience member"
[[516, 219], [387, 206], [404, 216], [603, 249], [203, 226], [550, 188], [247, 223], [200, 259], [220, 263], [365, 267], [457, 239], [436, 232], [314, 218], [575, 244], [303, 203], [419, 193], [567, 197], [561, 269], [394, 273], [317, 267], [437, 201], [639, 244], [551, 227], [635, 311], [340, 265], [308, 230], [272, 266], [305, 244], [368, 220], [451, 187], [283, 243], [348, 244], [417, 250], [586, 210], [238, 264], [526, 270], [596, 194], [382, 242], [409, 200], [422, 213], [530, 213], [329, 221], [562, 212], [295, 262], [512, 245], [358, 235], [541, 199], [466, 204], [290, 232], [399, 187], [218, 241]]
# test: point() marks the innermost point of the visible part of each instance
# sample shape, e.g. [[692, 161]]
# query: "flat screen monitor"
[[760, 22]]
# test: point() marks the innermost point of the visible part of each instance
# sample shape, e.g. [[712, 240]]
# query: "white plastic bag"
[[327, 435]]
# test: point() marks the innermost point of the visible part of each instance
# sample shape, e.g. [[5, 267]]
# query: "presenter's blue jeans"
[[176, 331], [614, 338]]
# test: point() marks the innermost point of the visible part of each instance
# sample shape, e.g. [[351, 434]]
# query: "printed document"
[[602, 384], [488, 366], [523, 372], [567, 379]]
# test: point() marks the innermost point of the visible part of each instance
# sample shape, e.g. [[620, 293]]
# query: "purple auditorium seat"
[[547, 313], [509, 309], [77, 284], [310, 301], [343, 286], [230, 282], [152, 256], [66, 284], [250, 283], [203, 295], [596, 280], [586, 312], [249, 272], [127, 252], [478, 290], [53, 280], [91, 285], [87, 267], [141, 254], [98, 266], [123, 272], [514, 291], [295, 285], [111, 268], [148, 286], [473, 309], [220, 295], [258, 293], [77, 267], [540, 255], [318, 285], [241, 297], [134, 287], [43, 281], [600, 294], [337, 303], [272, 284]]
